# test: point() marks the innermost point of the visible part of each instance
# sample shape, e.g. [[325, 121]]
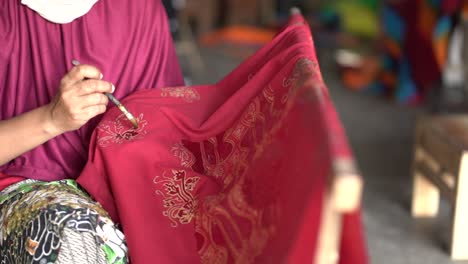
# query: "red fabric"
[[226, 173], [7, 180]]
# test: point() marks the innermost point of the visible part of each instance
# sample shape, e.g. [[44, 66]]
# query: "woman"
[[49, 109]]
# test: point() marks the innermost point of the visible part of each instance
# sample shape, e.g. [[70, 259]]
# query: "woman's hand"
[[80, 98]]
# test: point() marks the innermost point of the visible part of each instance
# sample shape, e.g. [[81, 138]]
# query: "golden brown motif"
[[179, 203], [187, 159], [120, 130], [188, 94]]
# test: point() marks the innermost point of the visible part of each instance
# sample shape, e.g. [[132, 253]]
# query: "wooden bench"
[[440, 167]]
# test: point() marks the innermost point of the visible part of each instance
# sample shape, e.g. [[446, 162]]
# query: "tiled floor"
[[381, 135]]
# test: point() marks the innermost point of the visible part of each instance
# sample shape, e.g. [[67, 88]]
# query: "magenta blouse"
[[128, 41]]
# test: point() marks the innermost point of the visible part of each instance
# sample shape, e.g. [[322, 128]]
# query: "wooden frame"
[[440, 168], [343, 196]]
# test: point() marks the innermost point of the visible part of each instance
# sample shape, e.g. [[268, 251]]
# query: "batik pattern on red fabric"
[[176, 189], [187, 94], [117, 131], [245, 228], [224, 173]]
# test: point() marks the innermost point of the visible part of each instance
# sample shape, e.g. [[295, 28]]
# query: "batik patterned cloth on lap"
[[56, 222]]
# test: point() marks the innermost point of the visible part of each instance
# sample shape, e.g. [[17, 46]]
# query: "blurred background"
[[385, 62]]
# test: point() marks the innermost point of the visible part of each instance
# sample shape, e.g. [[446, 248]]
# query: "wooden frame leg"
[[459, 242], [426, 196], [329, 235]]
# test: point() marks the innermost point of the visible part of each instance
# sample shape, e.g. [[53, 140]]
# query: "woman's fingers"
[[93, 111], [92, 100], [93, 86], [80, 73], [77, 118]]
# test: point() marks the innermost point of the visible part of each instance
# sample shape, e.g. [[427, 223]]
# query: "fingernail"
[[113, 88], [101, 76]]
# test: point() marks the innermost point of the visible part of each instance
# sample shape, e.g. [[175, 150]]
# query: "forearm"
[[25, 132]]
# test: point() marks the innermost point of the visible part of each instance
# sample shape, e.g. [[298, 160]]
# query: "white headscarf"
[[60, 11]]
